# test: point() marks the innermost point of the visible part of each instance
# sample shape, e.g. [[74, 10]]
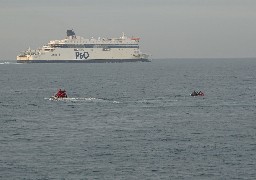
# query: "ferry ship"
[[78, 49]]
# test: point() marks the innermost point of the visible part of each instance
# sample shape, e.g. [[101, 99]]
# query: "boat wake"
[[80, 99], [8, 62]]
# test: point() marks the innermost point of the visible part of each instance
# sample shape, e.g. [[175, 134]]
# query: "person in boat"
[[58, 94], [194, 93], [64, 94], [61, 94], [200, 93]]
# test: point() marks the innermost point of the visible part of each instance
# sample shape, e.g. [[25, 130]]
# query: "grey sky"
[[168, 28]]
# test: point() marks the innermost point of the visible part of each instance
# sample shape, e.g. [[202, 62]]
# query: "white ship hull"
[[75, 49], [83, 55]]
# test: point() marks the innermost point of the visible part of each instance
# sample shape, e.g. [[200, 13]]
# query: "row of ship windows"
[[92, 46]]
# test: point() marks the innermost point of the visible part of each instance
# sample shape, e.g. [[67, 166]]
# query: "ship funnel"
[[70, 33]]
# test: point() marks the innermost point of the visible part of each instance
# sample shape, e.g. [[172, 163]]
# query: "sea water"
[[129, 120]]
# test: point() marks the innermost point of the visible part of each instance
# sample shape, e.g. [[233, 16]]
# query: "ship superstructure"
[[78, 49]]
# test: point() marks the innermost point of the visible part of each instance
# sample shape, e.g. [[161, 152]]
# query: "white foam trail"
[[6, 62], [81, 99]]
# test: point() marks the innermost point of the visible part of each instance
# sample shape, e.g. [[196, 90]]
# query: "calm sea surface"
[[129, 120]]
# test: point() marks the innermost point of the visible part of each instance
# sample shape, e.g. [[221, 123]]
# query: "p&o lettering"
[[82, 55]]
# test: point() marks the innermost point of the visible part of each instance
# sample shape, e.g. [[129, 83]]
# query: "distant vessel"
[[78, 49]]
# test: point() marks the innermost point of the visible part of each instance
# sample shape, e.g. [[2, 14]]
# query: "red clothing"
[[201, 93], [61, 94]]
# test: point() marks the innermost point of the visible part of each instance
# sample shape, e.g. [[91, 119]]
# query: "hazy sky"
[[168, 28]]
